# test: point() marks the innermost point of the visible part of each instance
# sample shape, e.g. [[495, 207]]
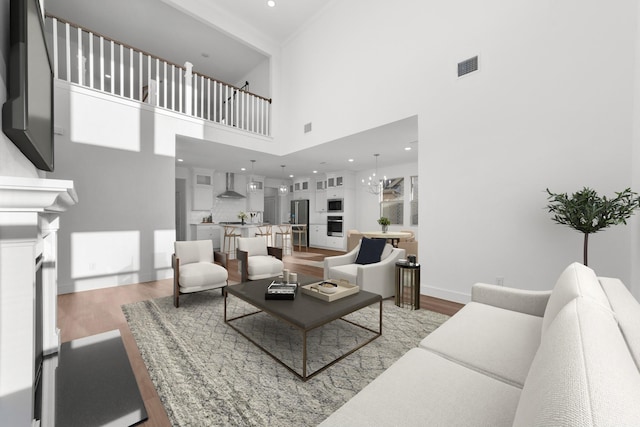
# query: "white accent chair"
[[257, 260], [378, 277], [196, 267]]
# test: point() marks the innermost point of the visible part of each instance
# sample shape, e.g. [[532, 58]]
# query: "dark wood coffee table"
[[305, 313]]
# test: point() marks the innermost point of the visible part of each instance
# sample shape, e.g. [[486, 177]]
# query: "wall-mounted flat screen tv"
[[27, 116]]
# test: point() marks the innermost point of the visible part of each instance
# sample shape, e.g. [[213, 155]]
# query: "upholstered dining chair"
[[257, 260], [370, 265], [196, 267], [353, 239], [283, 232]]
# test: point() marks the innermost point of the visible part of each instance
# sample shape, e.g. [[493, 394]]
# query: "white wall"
[[552, 106], [121, 156], [259, 80]]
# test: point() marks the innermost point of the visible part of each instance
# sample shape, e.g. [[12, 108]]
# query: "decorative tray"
[[339, 289]]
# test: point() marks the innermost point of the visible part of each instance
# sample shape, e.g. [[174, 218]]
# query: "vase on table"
[[385, 228]]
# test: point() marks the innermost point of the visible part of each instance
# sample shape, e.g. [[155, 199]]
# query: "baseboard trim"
[[445, 294]]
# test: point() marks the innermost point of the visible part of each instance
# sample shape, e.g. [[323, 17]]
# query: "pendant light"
[[283, 190], [374, 185], [252, 186]]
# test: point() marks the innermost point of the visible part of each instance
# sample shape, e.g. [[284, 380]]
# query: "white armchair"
[[378, 277], [197, 268], [257, 260]]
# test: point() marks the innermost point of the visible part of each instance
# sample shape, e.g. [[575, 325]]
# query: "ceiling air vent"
[[467, 66], [307, 127]]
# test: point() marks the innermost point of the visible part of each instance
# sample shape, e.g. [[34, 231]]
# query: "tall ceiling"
[[162, 30], [159, 28]]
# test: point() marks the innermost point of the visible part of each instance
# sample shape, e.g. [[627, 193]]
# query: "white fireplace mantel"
[[29, 222], [35, 195]]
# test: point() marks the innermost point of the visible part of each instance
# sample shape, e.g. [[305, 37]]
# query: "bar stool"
[[265, 230], [300, 230], [230, 237], [284, 232]]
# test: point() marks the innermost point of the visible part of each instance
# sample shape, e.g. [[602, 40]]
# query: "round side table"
[[408, 285]]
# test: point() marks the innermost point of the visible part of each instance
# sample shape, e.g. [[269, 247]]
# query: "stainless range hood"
[[229, 192]]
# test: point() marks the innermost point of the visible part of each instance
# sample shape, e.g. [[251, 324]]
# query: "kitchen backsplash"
[[222, 210]]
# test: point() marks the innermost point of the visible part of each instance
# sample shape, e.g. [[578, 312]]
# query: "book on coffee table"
[[278, 290]]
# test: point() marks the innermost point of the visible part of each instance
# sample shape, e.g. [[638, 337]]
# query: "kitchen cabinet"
[[321, 201], [202, 189], [202, 198], [321, 195], [318, 235], [335, 180], [336, 243], [207, 232], [334, 193], [301, 185]]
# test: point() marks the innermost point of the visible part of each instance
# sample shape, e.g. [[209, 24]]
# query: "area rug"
[[208, 374]]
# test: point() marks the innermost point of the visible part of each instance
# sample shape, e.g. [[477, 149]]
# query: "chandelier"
[[283, 190], [252, 186], [374, 185]]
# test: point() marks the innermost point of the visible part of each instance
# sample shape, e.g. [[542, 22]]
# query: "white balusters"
[[67, 29], [148, 79], [91, 60]]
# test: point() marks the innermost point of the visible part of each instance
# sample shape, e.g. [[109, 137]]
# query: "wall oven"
[[335, 205], [334, 226]]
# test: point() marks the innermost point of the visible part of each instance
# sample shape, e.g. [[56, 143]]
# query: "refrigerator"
[[299, 214]]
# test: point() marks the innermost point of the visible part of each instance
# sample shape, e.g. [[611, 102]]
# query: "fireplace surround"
[[29, 222]]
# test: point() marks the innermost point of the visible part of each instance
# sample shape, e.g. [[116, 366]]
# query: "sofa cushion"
[[253, 245], [347, 272], [370, 250], [202, 274], [576, 280], [494, 341], [263, 266], [627, 312], [583, 374], [194, 251], [424, 389]]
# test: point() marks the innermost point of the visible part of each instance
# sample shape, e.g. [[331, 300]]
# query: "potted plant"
[[242, 217], [384, 222], [589, 213]]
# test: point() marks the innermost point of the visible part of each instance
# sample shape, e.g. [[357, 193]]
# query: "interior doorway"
[[270, 206], [181, 209]]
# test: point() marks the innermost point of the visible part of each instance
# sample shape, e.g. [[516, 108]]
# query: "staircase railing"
[[96, 61]]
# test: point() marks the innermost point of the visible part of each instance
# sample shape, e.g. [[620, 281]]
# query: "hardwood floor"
[[91, 312]]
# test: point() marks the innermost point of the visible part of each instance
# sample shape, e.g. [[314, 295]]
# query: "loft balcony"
[[95, 61]]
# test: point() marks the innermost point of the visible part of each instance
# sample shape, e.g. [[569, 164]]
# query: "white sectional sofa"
[[566, 357]]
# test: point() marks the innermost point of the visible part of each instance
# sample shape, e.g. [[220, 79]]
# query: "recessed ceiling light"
[[350, 160], [407, 148], [107, 76], [291, 176], [180, 160], [271, 3], [315, 171], [243, 169]]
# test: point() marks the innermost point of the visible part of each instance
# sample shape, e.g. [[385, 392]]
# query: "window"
[[392, 200]]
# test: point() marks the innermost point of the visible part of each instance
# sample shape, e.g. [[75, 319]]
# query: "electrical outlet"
[[500, 281]]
